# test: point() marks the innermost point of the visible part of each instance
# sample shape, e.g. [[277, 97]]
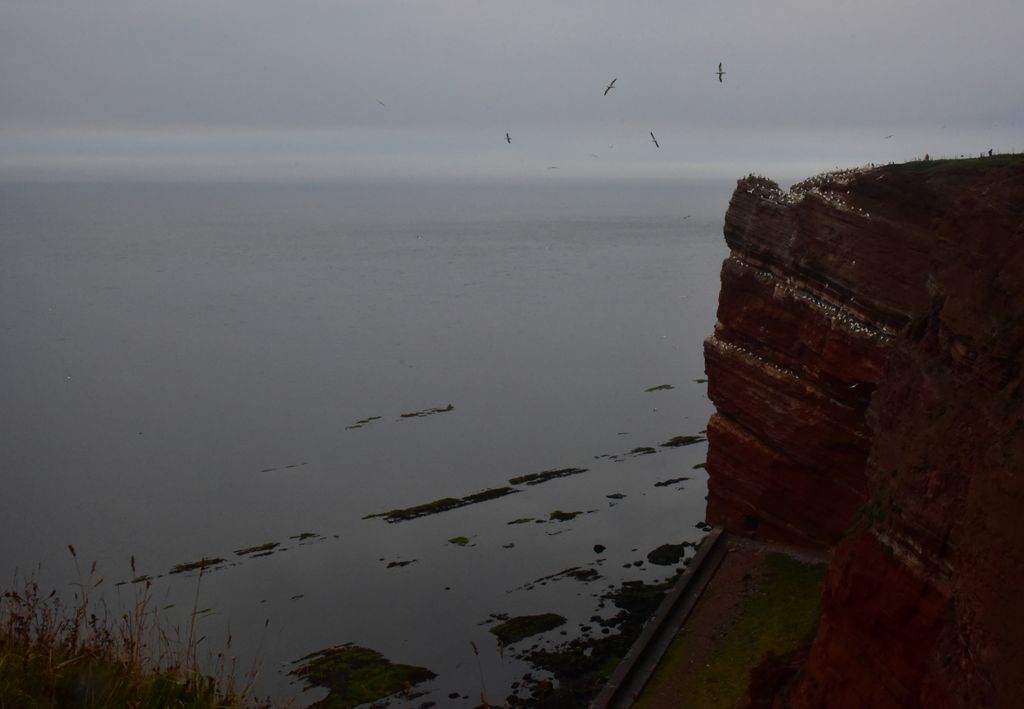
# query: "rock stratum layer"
[[866, 368]]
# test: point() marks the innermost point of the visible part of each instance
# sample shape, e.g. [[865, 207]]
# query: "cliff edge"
[[866, 369]]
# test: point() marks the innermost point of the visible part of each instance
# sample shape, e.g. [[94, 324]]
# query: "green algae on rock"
[[660, 387], [199, 565], [543, 477], [355, 675], [670, 481], [363, 422], [427, 412], [584, 575], [442, 505], [677, 441], [560, 516], [524, 626], [578, 573], [269, 546], [459, 541]]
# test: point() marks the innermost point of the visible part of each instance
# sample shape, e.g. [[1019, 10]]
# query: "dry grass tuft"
[[56, 654]]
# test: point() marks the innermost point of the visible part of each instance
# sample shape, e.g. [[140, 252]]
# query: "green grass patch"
[[778, 618], [29, 678], [925, 166]]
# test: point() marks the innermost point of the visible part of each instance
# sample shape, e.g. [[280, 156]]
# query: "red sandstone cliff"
[[867, 372]]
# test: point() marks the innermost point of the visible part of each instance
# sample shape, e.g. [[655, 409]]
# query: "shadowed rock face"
[[812, 296], [866, 368]]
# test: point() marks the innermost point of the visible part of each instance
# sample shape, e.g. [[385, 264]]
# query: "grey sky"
[[261, 89]]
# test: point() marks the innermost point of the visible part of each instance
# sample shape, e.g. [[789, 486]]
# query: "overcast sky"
[[392, 89]]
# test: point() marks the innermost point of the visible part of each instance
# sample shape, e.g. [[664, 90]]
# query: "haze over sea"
[[185, 366]]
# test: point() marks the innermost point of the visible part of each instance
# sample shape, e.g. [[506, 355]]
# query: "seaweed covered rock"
[[355, 675]]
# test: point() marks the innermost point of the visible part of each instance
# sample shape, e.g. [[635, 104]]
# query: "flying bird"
[[654, 140], [381, 102], [509, 139], [888, 136], [611, 85], [720, 72]]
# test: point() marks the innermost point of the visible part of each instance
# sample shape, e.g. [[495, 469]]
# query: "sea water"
[[184, 369]]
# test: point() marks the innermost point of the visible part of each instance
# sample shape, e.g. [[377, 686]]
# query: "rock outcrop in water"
[[867, 372]]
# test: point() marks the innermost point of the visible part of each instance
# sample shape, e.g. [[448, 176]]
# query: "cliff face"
[[866, 369]]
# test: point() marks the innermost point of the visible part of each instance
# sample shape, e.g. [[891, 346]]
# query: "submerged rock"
[[525, 626], [667, 554]]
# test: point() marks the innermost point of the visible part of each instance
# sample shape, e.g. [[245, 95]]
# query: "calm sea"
[[184, 368]]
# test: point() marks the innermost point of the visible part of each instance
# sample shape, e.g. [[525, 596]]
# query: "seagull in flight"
[[720, 72], [888, 136], [381, 102], [509, 139], [654, 140], [611, 86]]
